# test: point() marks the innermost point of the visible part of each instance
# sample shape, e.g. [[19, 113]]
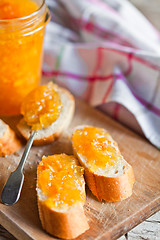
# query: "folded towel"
[[106, 52]]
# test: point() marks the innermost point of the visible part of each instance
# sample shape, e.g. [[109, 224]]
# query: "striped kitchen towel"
[[106, 52]]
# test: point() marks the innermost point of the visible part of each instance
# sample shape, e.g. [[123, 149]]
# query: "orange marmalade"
[[22, 25], [42, 106], [61, 180], [96, 146]]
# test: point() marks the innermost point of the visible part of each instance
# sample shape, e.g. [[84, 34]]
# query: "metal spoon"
[[12, 189]]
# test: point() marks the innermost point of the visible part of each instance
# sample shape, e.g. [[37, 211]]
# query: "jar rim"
[[25, 17]]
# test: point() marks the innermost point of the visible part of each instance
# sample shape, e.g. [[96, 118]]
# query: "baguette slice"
[[61, 205], [49, 134], [107, 174], [9, 143]]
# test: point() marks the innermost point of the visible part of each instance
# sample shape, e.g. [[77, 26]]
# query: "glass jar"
[[21, 42]]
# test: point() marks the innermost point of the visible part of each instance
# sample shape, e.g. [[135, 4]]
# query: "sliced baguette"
[[112, 183], [49, 134], [61, 221], [9, 143]]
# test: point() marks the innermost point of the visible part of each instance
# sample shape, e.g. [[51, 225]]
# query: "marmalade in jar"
[[22, 25], [97, 147], [61, 180], [42, 106]]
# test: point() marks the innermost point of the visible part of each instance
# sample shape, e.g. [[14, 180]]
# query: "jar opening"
[[39, 7], [29, 23]]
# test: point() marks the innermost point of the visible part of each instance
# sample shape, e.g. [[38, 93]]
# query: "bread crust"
[[56, 129], [67, 225], [25, 130], [108, 188], [9, 143]]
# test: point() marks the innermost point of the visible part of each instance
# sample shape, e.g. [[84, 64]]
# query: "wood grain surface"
[[106, 220], [150, 228]]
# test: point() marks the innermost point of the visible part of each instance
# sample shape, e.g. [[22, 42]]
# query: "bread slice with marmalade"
[[47, 134], [61, 196], [9, 143], [107, 174]]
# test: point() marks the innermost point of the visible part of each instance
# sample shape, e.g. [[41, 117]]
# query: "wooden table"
[[149, 229]]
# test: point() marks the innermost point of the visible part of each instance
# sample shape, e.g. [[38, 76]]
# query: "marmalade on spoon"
[[42, 106], [96, 146], [61, 180]]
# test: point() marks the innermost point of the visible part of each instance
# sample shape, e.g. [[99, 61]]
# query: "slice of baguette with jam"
[[61, 196], [107, 174], [9, 143], [49, 134]]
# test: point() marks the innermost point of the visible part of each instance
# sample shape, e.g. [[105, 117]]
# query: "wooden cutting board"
[[106, 220]]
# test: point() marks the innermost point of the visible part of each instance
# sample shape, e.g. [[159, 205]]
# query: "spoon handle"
[[26, 152], [12, 189]]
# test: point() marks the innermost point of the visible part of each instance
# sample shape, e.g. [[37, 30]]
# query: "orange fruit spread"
[[42, 106], [20, 53], [61, 180], [10, 9], [96, 146]]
